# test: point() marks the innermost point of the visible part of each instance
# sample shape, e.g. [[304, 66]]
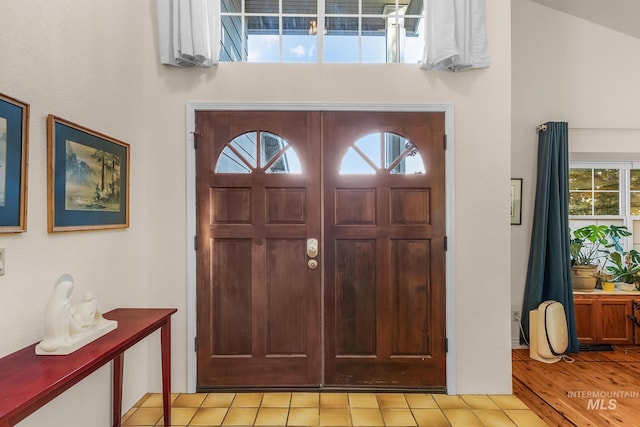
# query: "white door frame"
[[192, 107]]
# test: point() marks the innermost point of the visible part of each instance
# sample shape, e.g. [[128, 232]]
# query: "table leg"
[[165, 344], [118, 363]]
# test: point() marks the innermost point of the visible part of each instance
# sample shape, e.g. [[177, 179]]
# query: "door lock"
[[312, 248], [312, 264]]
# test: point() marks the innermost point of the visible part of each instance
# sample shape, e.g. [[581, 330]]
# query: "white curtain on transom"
[[456, 38], [189, 32]]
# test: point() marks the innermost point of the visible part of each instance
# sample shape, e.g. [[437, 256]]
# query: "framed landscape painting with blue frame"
[[88, 178], [14, 140]]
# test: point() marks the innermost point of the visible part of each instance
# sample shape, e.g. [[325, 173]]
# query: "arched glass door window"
[[383, 151], [258, 150]]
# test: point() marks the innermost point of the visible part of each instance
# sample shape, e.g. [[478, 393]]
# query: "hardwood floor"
[[600, 388]]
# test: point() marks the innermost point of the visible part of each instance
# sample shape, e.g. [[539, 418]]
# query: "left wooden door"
[[258, 204]]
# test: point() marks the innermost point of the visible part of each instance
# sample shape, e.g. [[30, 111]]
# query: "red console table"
[[28, 381]]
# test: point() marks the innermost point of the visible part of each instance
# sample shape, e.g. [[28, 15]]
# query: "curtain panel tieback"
[[456, 38], [188, 32]]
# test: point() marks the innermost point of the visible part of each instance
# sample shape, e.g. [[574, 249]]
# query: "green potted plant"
[[589, 247], [625, 267]]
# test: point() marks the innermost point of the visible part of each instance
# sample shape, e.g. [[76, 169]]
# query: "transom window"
[[382, 152], [368, 31]]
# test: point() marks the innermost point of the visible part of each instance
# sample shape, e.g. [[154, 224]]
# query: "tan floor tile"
[[189, 400], [398, 417], [363, 400], [272, 417], [179, 416], [247, 400], [421, 400], [525, 418], [479, 401], [144, 417], [304, 417], [335, 417], [430, 418], [208, 417], [493, 418], [218, 400], [127, 414], [508, 401], [462, 418], [276, 400], [366, 417], [334, 400], [305, 400], [240, 417], [392, 400], [143, 399], [154, 400], [445, 401]]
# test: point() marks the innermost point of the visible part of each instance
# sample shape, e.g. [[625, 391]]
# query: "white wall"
[[95, 63], [81, 61], [573, 71]]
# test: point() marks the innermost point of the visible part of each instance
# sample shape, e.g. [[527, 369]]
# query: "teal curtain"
[[549, 270]]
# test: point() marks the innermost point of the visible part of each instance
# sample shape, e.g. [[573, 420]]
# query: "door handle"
[[312, 248]]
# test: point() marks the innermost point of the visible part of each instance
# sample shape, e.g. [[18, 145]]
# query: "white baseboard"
[[515, 343]]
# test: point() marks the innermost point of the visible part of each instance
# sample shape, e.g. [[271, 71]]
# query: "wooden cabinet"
[[602, 318]]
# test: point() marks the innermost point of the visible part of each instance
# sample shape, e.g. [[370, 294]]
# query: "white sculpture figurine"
[[69, 327]]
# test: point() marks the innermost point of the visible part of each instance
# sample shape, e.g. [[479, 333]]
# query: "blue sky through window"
[[367, 31]]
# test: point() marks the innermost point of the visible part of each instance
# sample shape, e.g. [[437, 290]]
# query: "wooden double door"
[[320, 249]]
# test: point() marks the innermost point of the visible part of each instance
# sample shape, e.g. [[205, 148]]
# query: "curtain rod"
[[603, 128], [543, 128]]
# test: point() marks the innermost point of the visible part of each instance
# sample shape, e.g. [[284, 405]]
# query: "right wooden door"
[[384, 239]]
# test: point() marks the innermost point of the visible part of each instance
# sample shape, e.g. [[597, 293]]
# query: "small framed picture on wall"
[[516, 201]]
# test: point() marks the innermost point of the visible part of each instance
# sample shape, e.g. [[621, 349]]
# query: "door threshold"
[[323, 389]]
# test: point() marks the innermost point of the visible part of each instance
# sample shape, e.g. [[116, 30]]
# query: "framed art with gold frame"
[[87, 180], [14, 142]]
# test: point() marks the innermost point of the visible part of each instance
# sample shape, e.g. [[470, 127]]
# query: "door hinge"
[[195, 243], [446, 243], [444, 141], [446, 345], [195, 138], [195, 344]]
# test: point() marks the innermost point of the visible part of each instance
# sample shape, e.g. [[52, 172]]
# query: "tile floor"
[[333, 409]]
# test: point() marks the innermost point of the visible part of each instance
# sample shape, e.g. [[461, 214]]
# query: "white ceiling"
[[619, 15]]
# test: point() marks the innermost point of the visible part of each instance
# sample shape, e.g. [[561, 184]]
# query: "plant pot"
[[608, 286], [583, 277], [627, 287]]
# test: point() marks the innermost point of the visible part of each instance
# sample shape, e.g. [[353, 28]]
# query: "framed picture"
[[88, 178], [14, 140], [516, 201]]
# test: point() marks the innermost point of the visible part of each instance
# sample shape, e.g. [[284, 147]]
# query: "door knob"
[[312, 248]]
